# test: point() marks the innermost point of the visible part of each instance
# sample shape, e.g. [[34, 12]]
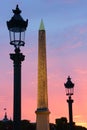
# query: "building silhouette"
[[5, 119], [42, 112]]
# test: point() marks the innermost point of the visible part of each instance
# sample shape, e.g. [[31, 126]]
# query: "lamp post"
[[69, 86], [17, 27]]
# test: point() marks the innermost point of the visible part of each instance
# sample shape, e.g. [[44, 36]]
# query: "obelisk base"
[[42, 119]]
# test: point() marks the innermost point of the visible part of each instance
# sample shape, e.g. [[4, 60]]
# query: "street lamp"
[[69, 87], [17, 27]]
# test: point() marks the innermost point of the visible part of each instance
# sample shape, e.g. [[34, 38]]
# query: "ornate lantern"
[[17, 27]]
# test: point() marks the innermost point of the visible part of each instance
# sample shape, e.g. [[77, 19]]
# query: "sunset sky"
[[66, 38]]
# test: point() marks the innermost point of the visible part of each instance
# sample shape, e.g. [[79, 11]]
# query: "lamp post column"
[[70, 101], [17, 58]]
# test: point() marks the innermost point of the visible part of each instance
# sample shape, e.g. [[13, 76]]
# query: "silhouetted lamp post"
[[17, 27], [69, 87]]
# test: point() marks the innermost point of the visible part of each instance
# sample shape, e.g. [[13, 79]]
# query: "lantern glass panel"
[[22, 36], [69, 91], [12, 36], [17, 38]]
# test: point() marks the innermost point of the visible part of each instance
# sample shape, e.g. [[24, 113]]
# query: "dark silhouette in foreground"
[[61, 124]]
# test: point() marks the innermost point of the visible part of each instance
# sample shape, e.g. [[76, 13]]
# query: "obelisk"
[[42, 112]]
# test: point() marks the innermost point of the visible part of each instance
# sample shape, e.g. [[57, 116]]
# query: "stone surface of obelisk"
[[42, 112]]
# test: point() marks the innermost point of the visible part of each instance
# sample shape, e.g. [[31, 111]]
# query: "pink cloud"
[[81, 71]]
